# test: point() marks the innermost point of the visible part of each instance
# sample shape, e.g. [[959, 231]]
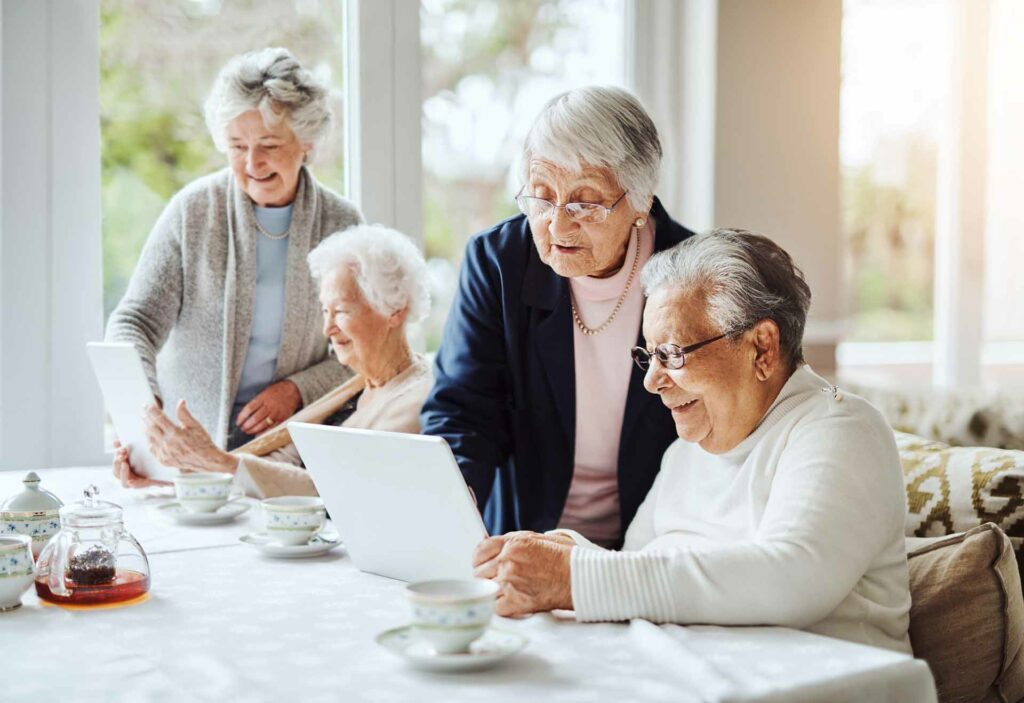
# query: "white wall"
[[50, 247], [777, 141], [672, 54]]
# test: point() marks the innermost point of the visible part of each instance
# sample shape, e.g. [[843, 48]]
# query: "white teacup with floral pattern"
[[17, 570], [203, 492], [451, 613], [292, 520]]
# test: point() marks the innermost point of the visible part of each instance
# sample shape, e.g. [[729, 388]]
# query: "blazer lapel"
[[548, 293]]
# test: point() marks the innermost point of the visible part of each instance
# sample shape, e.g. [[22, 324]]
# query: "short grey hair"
[[599, 126], [389, 268], [275, 83], [745, 277]]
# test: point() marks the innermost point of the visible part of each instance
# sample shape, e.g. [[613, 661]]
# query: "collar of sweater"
[[800, 386]]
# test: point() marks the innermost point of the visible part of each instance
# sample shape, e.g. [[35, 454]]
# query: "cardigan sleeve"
[[150, 306], [835, 502], [277, 474], [337, 214]]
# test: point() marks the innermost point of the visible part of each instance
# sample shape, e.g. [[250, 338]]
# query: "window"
[[922, 311], [894, 75], [158, 60], [1004, 238], [487, 69]]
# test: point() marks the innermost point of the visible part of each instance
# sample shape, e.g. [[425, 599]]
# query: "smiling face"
[[721, 393], [572, 248], [265, 160], [357, 332]]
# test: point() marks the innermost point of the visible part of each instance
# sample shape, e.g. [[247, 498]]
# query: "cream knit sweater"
[[393, 407], [800, 525]]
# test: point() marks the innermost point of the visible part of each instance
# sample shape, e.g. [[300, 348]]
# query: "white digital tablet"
[[126, 392], [399, 501]]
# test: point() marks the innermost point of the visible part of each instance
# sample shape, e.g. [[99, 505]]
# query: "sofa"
[[965, 527]]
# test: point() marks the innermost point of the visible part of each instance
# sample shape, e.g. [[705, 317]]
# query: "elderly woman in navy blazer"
[[535, 389]]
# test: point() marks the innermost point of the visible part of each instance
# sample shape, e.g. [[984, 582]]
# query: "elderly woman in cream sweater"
[[782, 501], [372, 286]]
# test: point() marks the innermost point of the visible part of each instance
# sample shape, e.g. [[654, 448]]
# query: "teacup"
[[16, 569], [203, 492], [292, 520], [451, 613]]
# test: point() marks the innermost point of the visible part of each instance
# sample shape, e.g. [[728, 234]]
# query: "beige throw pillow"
[[967, 615]]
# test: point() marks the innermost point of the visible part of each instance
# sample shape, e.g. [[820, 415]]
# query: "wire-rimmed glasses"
[[584, 213], [671, 356]]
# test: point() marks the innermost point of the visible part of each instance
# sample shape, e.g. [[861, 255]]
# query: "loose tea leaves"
[[93, 567]]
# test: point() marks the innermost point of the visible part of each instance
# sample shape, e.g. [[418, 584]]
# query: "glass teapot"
[[93, 560]]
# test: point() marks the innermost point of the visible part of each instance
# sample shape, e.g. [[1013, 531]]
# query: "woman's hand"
[[124, 472], [273, 405], [532, 571], [187, 446]]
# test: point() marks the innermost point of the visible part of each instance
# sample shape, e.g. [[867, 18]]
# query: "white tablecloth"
[[226, 623]]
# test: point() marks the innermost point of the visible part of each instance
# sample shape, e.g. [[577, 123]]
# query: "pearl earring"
[[639, 222]]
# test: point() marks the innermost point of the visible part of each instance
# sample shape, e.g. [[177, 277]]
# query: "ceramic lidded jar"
[[33, 512], [93, 560]]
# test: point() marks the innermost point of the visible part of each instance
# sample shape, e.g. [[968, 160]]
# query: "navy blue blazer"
[[505, 388]]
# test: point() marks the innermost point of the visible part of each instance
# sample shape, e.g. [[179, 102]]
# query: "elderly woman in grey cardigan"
[[221, 307], [372, 286]]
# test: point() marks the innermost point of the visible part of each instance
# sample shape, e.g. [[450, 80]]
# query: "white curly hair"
[[389, 268]]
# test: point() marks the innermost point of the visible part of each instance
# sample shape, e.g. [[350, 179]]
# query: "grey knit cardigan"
[[188, 308]]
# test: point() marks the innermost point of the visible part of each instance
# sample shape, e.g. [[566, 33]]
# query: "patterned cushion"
[[961, 417], [952, 489]]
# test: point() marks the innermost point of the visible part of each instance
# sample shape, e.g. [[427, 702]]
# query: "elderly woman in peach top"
[[372, 286]]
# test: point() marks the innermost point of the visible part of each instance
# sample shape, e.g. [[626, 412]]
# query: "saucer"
[[494, 646], [225, 513], [321, 544]]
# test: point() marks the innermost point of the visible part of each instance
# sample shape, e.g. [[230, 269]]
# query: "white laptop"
[[399, 501], [126, 392]]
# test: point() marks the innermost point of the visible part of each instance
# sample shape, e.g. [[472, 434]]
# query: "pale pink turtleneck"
[[602, 381]]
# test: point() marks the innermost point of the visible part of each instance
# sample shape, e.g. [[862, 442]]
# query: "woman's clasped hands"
[[531, 570]]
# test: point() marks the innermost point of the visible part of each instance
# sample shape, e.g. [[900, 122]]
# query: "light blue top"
[[268, 304]]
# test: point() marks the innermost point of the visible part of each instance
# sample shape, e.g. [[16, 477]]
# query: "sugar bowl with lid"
[[33, 512], [93, 560]]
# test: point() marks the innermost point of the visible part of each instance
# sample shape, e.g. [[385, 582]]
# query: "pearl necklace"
[[618, 305], [267, 234]]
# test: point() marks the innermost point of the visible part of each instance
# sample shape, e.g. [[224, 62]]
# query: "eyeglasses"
[[586, 213], [671, 356]]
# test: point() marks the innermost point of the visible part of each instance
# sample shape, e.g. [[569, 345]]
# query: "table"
[[223, 622]]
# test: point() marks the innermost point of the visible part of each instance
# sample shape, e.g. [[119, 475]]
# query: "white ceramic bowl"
[[203, 492], [451, 613], [17, 569], [293, 519]]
